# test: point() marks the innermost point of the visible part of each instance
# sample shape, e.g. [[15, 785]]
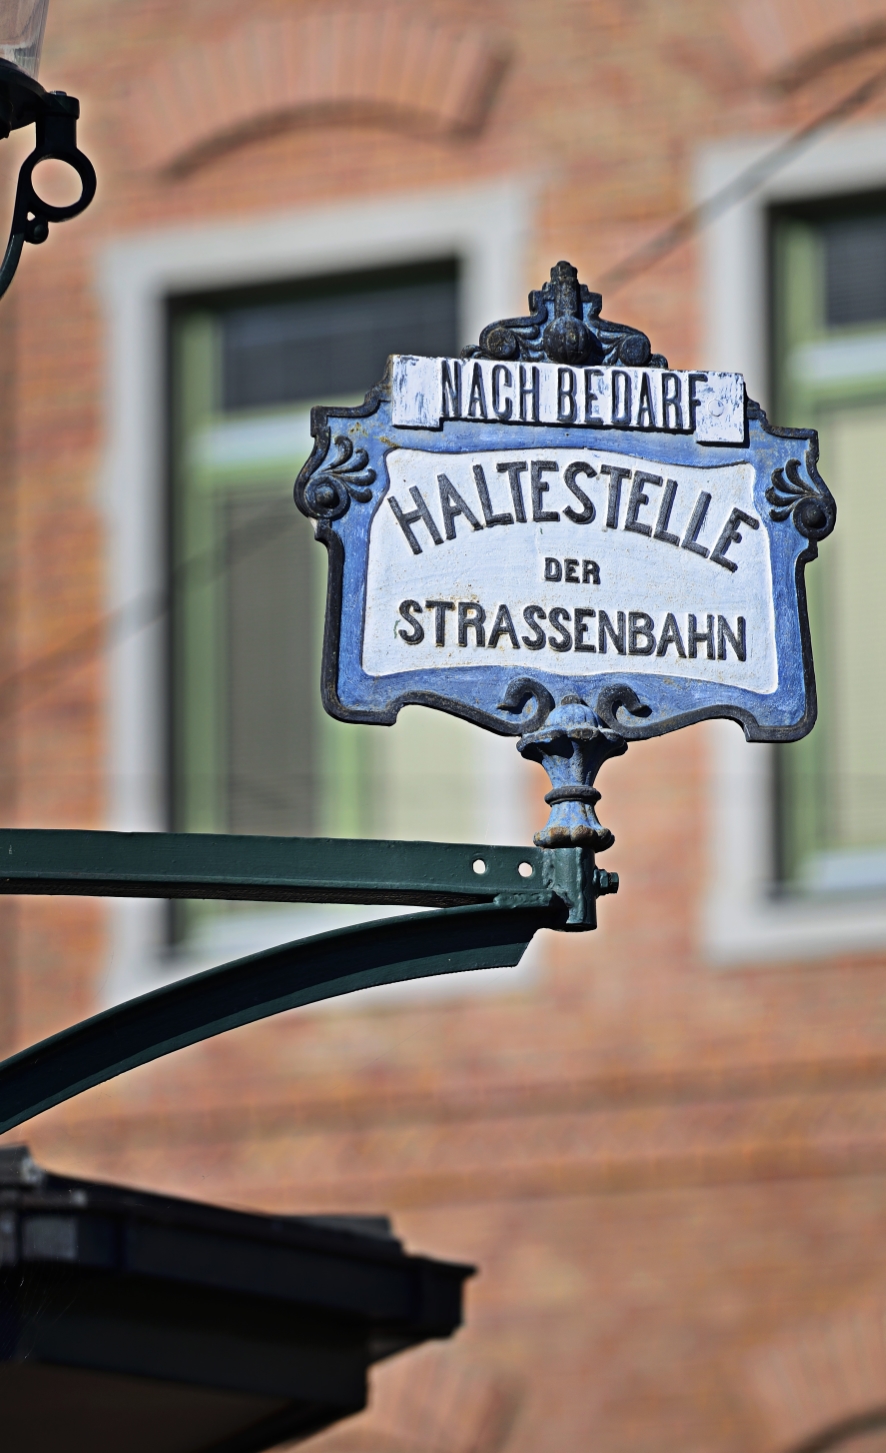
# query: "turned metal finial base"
[[572, 747]]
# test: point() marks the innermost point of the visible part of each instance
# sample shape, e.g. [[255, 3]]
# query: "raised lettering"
[[566, 406], [452, 504], [616, 475], [670, 636], [513, 471], [486, 502], [450, 378], [417, 634], [470, 618], [739, 642], [477, 396], [553, 569], [694, 401], [538, 487], [556, 618], [638, 499], [640, 625], [621, 411], [532, 615], [501, 408], [694, 528], [587, 505], [664, 515], [731, 536], [695, 637], [570, 568], [439, 607], [590, 572], [421, 512], [645, 408], [592, 417], [503, 626], [618, 637], [529, 391], [672, 400], [582, 615]]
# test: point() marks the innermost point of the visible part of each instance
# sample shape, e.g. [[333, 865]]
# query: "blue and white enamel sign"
[[558, 514]]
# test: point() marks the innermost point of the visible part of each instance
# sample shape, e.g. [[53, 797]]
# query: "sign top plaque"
[[557, 520]]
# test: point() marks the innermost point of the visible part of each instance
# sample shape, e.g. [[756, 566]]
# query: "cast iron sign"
[[558, 513]]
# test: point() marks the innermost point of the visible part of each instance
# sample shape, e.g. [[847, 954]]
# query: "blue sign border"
[[346, 479]]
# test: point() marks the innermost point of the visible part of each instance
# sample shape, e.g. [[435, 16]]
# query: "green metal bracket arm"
[[493, 900], [303, 870], [140, 1030]]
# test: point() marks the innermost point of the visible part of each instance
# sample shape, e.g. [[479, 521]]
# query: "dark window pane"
[[322, 347], [253, 625], [855, 270], [271, 682]]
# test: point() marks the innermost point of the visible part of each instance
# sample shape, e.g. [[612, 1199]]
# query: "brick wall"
[[663, 1171]]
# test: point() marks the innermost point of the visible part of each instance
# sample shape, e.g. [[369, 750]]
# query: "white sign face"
[[544, 559], [426, 391]]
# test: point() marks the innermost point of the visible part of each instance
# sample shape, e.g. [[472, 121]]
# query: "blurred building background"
[[663, 1144]]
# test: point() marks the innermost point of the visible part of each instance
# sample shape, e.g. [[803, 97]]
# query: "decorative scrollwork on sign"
[[328, 494], [521, 691], [565, 326], [813, 510], [614, 697]]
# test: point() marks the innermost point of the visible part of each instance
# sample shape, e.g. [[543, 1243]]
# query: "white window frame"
[[485, 227], [743, 919]]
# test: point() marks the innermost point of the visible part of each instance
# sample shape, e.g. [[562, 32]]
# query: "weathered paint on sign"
[[558, 513], [427, 391]]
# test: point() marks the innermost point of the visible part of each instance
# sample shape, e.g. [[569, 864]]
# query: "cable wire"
[[695, 218]]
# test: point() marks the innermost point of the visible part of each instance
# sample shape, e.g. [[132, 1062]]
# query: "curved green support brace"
[[330, 964]]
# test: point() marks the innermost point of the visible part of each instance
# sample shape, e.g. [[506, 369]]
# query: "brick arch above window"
[[384, 64], [792, 41], [823, 1383]]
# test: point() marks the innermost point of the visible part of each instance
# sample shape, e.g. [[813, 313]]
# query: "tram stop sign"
[[557, 536]]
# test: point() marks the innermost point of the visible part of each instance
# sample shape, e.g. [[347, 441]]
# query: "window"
[[443, 778], [829, 333], [251, 748]]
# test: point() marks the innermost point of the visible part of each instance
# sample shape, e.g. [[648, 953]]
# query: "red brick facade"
[[672, 1176]]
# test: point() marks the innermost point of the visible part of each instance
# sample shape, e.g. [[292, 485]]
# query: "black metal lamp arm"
[[22, 102]]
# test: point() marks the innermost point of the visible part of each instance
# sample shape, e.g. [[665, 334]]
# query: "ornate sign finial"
[[565, 326]]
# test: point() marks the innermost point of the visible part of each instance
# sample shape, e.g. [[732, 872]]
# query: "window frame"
[[744, 918], [801, 330]]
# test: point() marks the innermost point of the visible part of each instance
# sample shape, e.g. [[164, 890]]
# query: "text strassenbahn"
[[476, 627]]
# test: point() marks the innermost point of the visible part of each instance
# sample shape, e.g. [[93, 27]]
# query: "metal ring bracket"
[[55, 116]]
